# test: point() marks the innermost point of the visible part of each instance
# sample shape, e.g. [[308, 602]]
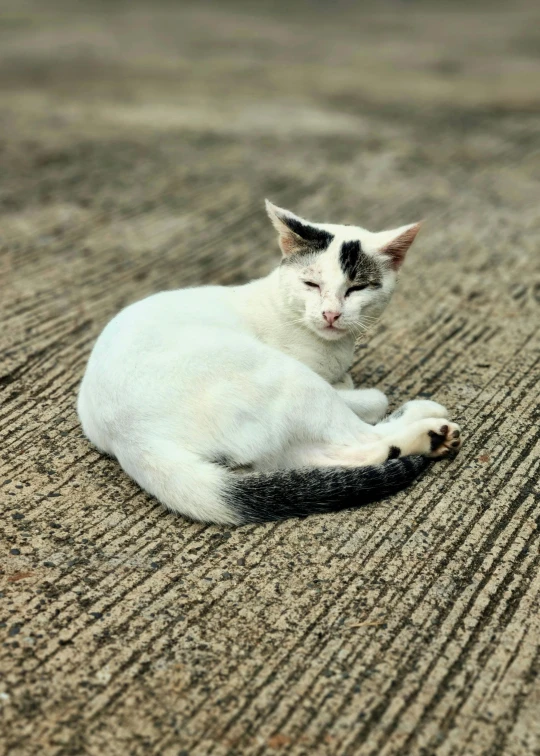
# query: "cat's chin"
[[330, 333]]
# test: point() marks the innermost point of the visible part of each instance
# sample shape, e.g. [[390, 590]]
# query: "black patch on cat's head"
[[349, 257], [358, 266], [316, 239]]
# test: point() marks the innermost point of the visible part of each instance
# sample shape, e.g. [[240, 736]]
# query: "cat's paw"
[[444, 439], [418, 409], [431, 437]]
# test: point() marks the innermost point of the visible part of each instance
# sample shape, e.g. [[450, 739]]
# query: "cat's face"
[[337, 279]]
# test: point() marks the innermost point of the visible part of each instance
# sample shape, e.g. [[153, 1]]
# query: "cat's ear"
[[395, 244], [294, 232]]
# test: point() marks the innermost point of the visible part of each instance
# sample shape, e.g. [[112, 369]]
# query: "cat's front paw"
[[444, 440], [373, 405], [418, 409]]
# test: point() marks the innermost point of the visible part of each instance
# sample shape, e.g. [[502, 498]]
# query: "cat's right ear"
[[285, 224]]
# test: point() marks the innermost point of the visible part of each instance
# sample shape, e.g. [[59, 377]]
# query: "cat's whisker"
[[361, 330], [368, 319], [363, 325]]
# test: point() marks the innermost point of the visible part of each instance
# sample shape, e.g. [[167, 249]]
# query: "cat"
[[234, 404]]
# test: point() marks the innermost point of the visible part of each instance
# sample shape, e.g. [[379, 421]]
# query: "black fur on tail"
[[260, 497]]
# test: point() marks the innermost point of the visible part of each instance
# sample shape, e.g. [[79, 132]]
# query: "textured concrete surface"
[[136, 146]]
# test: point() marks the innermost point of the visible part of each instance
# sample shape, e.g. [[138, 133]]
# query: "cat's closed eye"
[[360, 287], [312, 285]]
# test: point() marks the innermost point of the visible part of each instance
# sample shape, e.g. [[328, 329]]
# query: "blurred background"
[[137, 143], [175, 119]]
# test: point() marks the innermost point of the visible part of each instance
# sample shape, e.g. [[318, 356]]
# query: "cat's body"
[[235, 404]]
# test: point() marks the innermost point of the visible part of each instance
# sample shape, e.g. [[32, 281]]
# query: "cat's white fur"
[[189, 389]]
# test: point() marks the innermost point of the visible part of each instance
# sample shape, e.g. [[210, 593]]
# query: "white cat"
[[234, 404]]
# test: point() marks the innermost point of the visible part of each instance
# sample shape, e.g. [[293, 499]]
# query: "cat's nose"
[[331, 317]]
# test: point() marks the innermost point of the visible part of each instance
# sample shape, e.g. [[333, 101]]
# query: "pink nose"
[[331, 317]]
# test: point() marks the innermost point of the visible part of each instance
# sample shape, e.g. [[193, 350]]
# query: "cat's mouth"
[[331, 330], [331, 327]]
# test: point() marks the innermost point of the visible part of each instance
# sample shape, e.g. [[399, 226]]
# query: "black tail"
[[260, 497]]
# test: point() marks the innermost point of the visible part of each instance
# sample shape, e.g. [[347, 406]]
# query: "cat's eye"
[[312, 285], [360, 287]]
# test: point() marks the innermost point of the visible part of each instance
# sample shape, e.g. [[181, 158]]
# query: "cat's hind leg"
[[431, 437], [337, 455]]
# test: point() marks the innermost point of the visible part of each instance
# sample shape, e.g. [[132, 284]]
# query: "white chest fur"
[[268, 318]]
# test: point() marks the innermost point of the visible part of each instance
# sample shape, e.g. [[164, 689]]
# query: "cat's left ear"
[[395, 244], [296, 234], [287, 225]]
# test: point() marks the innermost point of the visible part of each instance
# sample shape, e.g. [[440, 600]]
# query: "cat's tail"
[[206, 491], [260, 497]]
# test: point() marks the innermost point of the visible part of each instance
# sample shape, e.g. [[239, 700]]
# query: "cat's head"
[[336, 279]]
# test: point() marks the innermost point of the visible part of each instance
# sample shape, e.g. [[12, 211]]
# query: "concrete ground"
[[137, 142]]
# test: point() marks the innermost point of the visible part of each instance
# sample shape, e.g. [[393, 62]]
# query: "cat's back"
[[169, 325], [169, 310], [165, 320]]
